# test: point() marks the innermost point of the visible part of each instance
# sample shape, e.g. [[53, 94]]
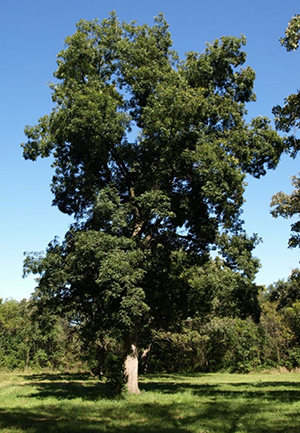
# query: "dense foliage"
[[28, 340], [207, 344], [287, 119]]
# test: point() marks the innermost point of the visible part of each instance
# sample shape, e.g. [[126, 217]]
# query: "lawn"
[[201, 403]]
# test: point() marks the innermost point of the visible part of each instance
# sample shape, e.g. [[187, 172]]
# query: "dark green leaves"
[[287, 119], [288, 206]]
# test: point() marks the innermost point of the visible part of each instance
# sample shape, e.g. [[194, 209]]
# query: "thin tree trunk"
[[144, 360], [131, 368], [27, 359], [98, 370]]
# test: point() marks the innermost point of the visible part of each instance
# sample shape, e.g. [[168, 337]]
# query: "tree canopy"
[[287, 119], [288, 206], [292, 34], [150, 154], [287, 116]]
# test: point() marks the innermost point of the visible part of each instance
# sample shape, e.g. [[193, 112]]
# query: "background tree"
[[31, 340], [281, 320], [14, 331], [150, 154], [292, 34], [287, 119], [278, 335], [288, 206], [286, 293], [287, 116]]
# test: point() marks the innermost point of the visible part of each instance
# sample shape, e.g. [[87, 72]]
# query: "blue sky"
[[32, 32]]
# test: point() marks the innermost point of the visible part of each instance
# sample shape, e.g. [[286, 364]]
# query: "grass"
[[202, 403]]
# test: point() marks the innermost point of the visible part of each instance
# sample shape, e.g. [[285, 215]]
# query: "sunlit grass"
[[223, 403]]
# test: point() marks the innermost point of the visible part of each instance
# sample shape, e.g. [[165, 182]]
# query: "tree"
[[150, 155], [287, 119], [286, 293], [292, 34], [288, 206], [28, 340], [14, 330], [281, 317]]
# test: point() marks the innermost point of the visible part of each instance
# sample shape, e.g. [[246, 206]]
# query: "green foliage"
[[14, 331], [286, 293], [220, 344], [281, 321], [287, 116], [177, 351], [95, 276], [292, 317], [287, 120], [288, 206], [30, 341], [277, 332], [217, 289], [234, 345], [292, 360], [292, 34], [114, 373], [192, 142]]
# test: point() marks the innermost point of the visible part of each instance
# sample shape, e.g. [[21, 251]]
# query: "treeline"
[[33, 339]]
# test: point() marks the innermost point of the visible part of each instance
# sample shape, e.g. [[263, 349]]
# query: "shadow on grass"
[[59, 376], [133, 419], [68, 386], [62, 390], [71, 386], [290, 391], [219, 408]]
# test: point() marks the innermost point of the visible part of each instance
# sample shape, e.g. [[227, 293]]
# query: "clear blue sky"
[[33, 32]]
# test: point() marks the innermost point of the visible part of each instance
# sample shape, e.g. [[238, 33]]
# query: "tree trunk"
[[144, 361], [98, 370], [131, 368], [27, 359]]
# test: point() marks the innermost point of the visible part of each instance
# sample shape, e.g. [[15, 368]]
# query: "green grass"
[[202, 403]]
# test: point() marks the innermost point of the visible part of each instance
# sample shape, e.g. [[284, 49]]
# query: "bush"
[[114, 373], [176, 352], [221, 344], [28, 340]]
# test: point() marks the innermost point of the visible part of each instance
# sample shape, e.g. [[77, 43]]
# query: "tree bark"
[[131, 368], [144, 360], [98, 370]]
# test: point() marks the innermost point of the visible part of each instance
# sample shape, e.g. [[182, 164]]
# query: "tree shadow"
[[290, 393], [176, 387], [71, 390], [82, 420], [77, 385], [87, 407], [72, 385], [59, 376]]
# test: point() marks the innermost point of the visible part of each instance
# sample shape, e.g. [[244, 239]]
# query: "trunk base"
[[131, 370]]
